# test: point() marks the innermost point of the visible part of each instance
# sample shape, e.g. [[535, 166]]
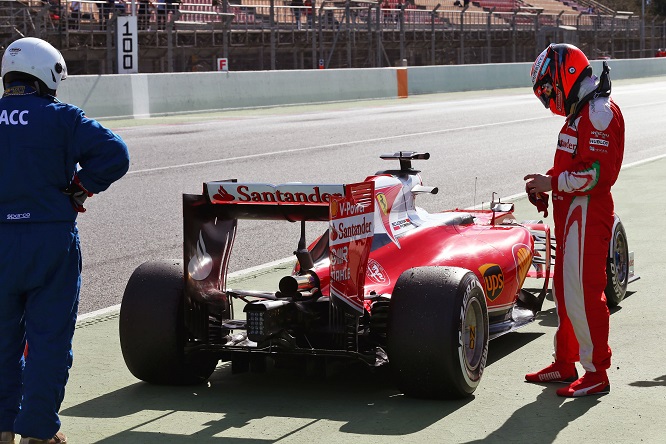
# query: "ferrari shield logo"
[[381, 201]]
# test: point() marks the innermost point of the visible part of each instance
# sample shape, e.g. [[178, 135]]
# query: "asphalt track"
[[106, 404]]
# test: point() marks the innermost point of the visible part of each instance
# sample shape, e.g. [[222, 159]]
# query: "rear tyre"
[[617, 266], [152, 331], [438, 332]]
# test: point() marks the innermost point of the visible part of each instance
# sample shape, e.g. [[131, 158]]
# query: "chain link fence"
[[267, 34]]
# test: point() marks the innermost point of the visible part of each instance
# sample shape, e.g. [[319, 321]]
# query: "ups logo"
[[493, 280]]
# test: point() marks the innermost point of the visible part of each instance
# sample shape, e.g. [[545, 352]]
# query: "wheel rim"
[[474, 335], [620, 258]]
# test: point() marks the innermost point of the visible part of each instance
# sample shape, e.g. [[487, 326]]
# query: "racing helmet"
[[36, 58], [556, 76]]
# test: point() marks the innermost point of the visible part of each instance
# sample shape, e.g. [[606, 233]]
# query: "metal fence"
[[262, 34]]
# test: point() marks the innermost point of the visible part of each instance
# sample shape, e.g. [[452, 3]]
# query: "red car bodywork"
[[498, 250], [490, 243]]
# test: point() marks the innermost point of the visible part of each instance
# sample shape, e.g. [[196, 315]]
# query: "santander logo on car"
[[262, 193]]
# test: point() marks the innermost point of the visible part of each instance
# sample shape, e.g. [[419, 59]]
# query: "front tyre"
[[438, 332], [617, 265], [152, 331]]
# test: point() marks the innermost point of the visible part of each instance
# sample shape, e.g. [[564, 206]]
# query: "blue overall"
[[41, 142]]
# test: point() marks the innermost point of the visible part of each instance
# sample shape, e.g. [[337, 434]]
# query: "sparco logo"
[[18, 216]]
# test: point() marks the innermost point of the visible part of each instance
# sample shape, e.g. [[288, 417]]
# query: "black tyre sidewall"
[[426, 329], [152, 333], [616, 289]]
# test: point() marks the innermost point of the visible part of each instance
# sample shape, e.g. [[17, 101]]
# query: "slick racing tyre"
[[152, 332], [617, 266], [438, 332]]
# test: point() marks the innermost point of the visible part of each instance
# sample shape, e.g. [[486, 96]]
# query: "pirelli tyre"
[[152, 332], [438, 332], [617, 266]]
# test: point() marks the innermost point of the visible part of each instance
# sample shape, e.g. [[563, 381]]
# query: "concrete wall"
[[144, 95]]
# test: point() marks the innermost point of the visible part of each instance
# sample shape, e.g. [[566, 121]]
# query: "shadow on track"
[[362, 399]]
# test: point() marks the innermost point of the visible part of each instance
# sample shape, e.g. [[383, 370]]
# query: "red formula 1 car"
[[387, 283]]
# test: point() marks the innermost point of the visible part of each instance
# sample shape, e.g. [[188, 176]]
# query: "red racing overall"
[[587, 162]]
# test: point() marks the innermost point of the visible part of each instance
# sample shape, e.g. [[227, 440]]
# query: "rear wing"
[[210, 222]]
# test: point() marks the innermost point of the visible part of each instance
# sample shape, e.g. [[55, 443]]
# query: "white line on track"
[[331, 145], [116, 308]]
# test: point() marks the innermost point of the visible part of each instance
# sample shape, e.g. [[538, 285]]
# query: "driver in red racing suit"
[[587, 163]]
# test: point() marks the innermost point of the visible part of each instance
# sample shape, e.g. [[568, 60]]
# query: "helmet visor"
[[544, 92]]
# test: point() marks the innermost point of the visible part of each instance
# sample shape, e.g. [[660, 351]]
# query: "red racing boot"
[[592, 383], [564, 372]]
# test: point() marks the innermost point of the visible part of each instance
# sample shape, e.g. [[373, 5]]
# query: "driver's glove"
[[540, 201], [77, 194]]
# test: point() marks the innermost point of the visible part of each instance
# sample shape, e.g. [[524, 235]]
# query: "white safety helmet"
[[37, 58]]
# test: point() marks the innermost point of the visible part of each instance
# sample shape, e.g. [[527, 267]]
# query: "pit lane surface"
[[480, 143], [497, 139]]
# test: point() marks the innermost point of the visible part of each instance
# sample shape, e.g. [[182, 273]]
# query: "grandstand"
[[256, 13], [251, 12], [353, 33]]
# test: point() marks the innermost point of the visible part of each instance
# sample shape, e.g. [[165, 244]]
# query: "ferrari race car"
[[387, 283]]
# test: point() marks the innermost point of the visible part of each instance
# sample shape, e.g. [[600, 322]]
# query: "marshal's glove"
[[539, 200], [77, 194]]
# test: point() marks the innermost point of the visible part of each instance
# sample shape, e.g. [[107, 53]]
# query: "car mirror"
[[500, 207]]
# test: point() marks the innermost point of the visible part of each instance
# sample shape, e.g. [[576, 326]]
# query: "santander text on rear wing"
[[274, 201]]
